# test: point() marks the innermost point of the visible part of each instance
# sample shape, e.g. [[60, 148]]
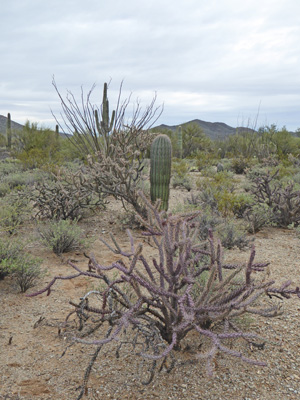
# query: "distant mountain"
[[14, 125], [214, 130]]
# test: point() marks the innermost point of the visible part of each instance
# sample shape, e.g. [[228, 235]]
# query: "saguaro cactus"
[[8, 131], [160, 170], [105, 126], [179, 141]]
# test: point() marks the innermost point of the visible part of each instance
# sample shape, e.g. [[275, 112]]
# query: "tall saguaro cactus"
[[179, 142], [106, 124], [8, 131], [160, 170]]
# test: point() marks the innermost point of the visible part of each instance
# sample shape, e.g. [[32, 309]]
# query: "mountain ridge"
[[14, 125], [214, 130]]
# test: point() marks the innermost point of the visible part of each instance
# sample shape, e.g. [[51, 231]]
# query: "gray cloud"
[[216, 61]]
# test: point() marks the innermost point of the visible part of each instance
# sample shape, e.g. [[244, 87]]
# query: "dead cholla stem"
[[178, 291]]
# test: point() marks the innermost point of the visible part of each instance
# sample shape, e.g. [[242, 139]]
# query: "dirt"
[[36, 362]]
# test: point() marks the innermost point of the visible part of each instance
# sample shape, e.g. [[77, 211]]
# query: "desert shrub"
[[4, 189], [208, 198], [61, 236], [65, 195], [181, 182], [208, 171], [294, 160], [257, 216], [9, 166], [239, 165], [14, 211], [35, 147], [207, 222], [241, 203], [180, 167], [152, 305], [18, 179], [229, 203], [226, 162], [10, 250], [232, 234], [204, 160], [26, 271], [217, 180], [218, 193], [180, 175], [296, 178]]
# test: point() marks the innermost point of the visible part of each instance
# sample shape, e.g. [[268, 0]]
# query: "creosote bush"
[[182, 289], [61, 236], [14, 210], [21, 266], [10, 250], [26, 271]]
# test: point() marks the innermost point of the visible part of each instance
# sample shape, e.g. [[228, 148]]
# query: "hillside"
[[214, 130], [14, 125]]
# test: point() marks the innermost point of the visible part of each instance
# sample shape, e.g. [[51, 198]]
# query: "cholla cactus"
[[182, 289], [160, 170]]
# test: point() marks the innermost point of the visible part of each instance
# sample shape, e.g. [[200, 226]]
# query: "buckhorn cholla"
[[185, 288]]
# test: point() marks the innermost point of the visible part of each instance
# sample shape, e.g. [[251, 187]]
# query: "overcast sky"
[[215, 60]]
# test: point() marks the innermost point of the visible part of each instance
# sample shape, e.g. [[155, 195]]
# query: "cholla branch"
[[176, 292]]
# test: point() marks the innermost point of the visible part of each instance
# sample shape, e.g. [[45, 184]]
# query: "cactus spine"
[[179, 141], [160, 170], [105, 126], [8, 131]]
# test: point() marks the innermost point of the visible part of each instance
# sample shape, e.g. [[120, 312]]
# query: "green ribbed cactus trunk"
[[8, 131], [179, 142], [160, 170]]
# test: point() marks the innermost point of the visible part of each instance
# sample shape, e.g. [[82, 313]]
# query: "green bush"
[[232, 235], [10, 251], [26, 271], [9, 166], [239, 165], [182, 182], [36, 147], [218, 192], [61, 236], [257, 216], [4, 189], [208, 222], [14, 210]]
